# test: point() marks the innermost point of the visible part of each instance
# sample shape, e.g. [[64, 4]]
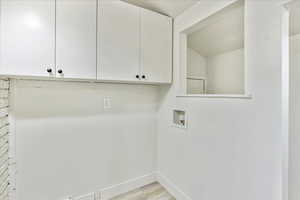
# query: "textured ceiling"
[[224, 33], [168, 7]]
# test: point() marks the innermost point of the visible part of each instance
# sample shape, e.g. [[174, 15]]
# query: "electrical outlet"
[[107, 103]]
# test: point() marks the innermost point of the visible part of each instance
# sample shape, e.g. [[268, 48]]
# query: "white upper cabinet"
[[119, 36], [85, 39], [27, 37], [156, 47], [76, 39]]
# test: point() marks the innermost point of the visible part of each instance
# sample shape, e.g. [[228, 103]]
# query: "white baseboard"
[[133, 184], [127, 186], [172, 188], [90, 196]]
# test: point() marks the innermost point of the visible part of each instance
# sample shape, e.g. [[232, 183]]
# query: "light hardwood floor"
[[153, 191]]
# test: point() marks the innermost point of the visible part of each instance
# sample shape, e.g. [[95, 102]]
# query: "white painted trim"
[[133, 184], [38, 78], [115, 190], [220, 96], [90, 196], [285, 100], [172, 188], [127, 186], [196, 78]]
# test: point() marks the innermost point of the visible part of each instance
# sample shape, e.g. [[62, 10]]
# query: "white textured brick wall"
[[4, 136]]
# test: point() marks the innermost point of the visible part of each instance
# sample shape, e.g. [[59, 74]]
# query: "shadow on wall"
[[52, 99]]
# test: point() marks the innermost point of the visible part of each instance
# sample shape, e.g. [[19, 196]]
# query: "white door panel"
[[156, 46], [119, 35], [76, 38], [27, 37]]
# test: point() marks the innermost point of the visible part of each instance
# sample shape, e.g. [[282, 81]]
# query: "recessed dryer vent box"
[[179, 118]]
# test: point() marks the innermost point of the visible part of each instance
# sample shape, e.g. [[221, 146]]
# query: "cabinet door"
[[27, 37], [156, 46], [76, 38], [119, 34]]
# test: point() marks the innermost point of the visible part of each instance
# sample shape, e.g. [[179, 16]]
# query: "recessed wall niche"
[[214, 53], [179, 118]]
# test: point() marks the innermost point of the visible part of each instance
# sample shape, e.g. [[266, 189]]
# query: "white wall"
[[232, 147], [67, 144], [294, 165], [196, 66], [225, 73]]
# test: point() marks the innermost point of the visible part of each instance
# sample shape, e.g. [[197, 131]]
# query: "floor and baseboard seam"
[[132, 184]]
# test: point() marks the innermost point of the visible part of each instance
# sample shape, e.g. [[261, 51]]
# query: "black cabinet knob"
[[60, 71], [49, 70], [143, 77], [137, 76]]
